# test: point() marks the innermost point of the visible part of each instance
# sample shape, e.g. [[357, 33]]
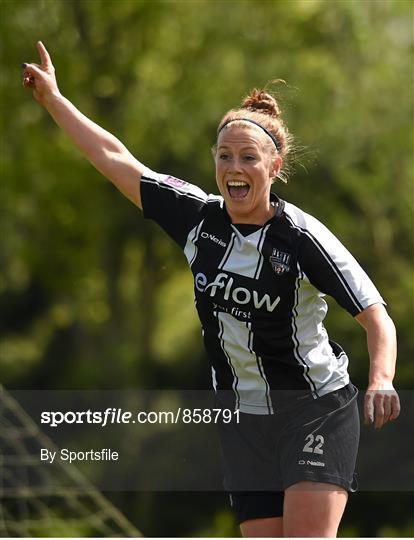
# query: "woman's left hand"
[[381, 405]]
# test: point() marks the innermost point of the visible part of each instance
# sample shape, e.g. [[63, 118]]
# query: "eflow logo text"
[[240, 295]]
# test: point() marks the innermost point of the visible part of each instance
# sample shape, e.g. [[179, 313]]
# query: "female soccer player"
[[261, 267]]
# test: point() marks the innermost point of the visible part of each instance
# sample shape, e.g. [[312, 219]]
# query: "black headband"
[[275, 141]]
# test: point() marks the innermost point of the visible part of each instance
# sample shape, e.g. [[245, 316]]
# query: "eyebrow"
[[242, 148]]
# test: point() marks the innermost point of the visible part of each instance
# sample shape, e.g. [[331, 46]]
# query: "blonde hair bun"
[[261, 101]]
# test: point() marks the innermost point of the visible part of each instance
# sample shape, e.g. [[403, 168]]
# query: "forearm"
[[382, 349], [103, 150], [95, 143], [382, 345], [381, 403]]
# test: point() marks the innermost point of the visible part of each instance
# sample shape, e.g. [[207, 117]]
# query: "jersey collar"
[[275, 200]]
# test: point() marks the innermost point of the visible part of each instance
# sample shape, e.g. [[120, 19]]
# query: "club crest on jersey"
[[280, 261]]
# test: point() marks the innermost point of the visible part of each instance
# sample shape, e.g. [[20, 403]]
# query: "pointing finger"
[[44, 55]]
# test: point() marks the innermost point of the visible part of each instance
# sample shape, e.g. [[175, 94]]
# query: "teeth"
[[234, 183]]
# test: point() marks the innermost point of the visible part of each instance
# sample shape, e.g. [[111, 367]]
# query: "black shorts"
[[306, 439]]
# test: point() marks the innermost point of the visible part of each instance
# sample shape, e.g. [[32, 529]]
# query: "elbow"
[[386, 321], [375, 316], [392, 327], [381, 324], [106, 161]]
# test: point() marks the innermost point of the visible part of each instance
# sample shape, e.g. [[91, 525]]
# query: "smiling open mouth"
[[238, 189]]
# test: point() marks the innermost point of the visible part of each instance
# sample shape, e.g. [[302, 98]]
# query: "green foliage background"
[[91, 295]]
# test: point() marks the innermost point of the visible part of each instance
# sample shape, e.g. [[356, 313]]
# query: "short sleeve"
[[329, 266], [174, 204]]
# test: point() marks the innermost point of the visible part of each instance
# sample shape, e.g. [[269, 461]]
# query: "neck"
[[255, 218]]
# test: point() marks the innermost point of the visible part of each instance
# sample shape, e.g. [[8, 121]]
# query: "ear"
[[276, 166], [214, 151]]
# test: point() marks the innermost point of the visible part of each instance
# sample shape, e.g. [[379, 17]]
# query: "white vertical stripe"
[[235, 379], [252, 387], [261, 369], [190, 249], [213, 376], [324, 371], [259, 247], [228, 250], [298, 347], [244, 257]]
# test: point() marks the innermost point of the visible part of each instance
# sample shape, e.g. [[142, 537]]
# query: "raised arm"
[[382, 403], [106, 153]]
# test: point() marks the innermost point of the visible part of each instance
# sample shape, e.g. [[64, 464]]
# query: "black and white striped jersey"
[[259, 291]]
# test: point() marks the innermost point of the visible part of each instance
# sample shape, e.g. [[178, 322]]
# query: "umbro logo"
[[280, 261], [213, 238]]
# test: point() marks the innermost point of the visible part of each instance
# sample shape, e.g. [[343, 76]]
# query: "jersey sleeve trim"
[[174, 204], [180, 187]]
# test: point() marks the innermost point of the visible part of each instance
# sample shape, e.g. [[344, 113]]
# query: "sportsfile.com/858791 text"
[[113, 415]]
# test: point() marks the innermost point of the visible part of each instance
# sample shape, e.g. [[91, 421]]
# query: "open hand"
[[41, 78]]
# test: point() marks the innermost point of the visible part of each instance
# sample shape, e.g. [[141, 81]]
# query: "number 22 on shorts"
[[314, 444]]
